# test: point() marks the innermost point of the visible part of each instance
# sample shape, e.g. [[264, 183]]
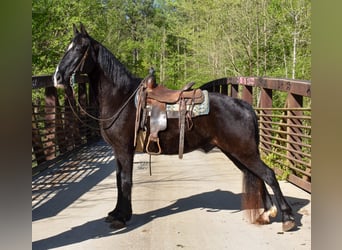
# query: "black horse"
[[230, 126]]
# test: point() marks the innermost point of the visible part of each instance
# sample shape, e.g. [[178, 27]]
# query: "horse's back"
[[230, 122]]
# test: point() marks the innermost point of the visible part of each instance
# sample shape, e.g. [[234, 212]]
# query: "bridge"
[[191, 203]]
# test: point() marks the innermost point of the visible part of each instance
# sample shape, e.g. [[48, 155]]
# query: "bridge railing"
[[283, 107], [56, 131]]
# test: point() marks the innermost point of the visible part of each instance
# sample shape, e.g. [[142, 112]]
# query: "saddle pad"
[[198, 109]]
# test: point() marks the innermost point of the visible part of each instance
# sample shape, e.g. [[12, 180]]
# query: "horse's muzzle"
[[57, 78]]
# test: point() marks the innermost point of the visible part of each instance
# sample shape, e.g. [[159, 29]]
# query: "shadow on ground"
[[58, 187], [212, 201]]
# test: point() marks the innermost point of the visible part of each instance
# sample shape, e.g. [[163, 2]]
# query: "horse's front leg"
[[123, 209]]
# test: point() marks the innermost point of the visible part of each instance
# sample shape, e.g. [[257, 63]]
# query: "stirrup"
[[148, 144]]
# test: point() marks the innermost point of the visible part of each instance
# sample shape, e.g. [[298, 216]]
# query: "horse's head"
[[78, 58]]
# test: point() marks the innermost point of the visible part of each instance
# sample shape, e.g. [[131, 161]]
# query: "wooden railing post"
[[69, 122], [37, 144], [247, 94], [234, 90], [51, 100], [265, 102], [294, 133], [82, 100]]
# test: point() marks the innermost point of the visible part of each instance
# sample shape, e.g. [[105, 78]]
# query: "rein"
[[114, 117], [77, 116]]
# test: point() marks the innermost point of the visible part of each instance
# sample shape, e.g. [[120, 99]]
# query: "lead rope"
[[79, 118], [113, 117]]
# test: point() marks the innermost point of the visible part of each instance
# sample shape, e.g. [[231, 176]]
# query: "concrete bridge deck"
[[192, 203]]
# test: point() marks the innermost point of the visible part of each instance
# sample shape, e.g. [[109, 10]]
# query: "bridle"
[[79, 67]]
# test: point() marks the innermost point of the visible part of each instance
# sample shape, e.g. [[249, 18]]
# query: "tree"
[[52, 28], [183, 40]]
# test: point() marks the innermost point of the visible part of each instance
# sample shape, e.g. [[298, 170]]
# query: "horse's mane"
[[114, 69]]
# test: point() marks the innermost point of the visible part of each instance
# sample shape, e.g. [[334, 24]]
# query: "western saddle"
[[152, 100]]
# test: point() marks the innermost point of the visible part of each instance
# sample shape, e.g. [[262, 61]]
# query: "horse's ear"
[[83, 30], [75, 29]]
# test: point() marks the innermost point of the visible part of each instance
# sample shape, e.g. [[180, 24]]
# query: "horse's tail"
[[252, 195]]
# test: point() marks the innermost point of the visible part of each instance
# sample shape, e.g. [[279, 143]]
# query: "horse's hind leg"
[[254, 167], [258, 167], [256, 201], [254, 187]]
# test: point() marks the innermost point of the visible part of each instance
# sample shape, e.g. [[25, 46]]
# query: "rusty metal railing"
[[283, 107], [55, 129]]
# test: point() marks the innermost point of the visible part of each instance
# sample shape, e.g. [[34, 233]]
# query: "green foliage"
[[276, 162], [52, 28], [184, 40]]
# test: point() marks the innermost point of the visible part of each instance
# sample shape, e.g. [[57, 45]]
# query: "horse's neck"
[[114, 83], [110, 96]]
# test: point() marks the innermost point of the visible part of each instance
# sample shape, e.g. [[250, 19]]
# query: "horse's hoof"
[[289, 225], [116, 224], [263, 219], [109, 219]]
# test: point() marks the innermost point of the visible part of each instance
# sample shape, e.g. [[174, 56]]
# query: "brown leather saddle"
[[152, 101]]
